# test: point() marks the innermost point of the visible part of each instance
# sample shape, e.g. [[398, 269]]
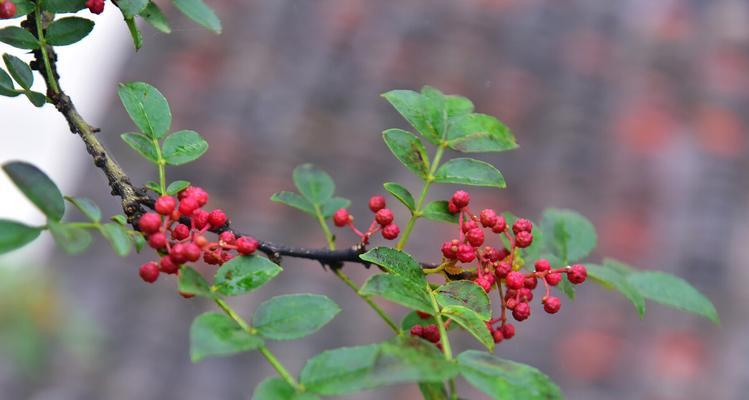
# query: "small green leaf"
[[398, 290], [396, 262], [135, 34], [183, 146], [401, 193], [87, 207], [154, 16], [199, 12], [479, 133], [66, 31], [138, 241], [214, 334], [14, 235], [438, 211], [467, 171], [64, 6], [611, 278], [147, 108], [292, 199], [340, 371], [37, 187], [176, 187], [433, 391], [18, 37], [293, 316], [36, 98], [409, 150], [465, 294], [153, 186], [6, 85], [413, 318], [673, 291], [191, 282], [143, 145], [118, 238], [131, 8], [313, 183], [569, 235], [278, 389], [120, 219], [19, 70], [72, 239], [567, 287], [504, 379], [24, 7], [472, 322], [332, 205], [244, 274]]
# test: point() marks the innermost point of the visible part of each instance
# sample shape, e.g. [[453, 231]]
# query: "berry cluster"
[[501, 267], [178, 243], [7, 9], [428, 332], [382, 221], [95, 6]]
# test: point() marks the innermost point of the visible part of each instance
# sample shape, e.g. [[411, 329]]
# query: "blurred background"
[[632, 112]]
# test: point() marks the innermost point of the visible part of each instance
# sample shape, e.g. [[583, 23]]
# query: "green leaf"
[[24, 7], [567, 287], [155, 187], [6, 85], [36, 98], [244, 274], [214, 334], [401, 193], [87, 207], [120, 219], [135, 34], [479, 133], [14, 235], [37, 187], [611, 278], [143, 145], [398, 263], [438, 211], [433, 391], [467, 171], [292, 199], [278, 389], [147, 108], [18, 37], [398, 290], [465, 294], [504, 379], [64, 6], [199, 12], [313, 183], [183, 146], [412, 319], [348, 370], [332, 205], [71, 239], [472, 322], [191, 282], [19, 70], [293, 316], [154, 16], [131, 8], [138, 241], [673, 291], [176, 187], [407, 148], [118, 238], [66, 31], [569, 235]]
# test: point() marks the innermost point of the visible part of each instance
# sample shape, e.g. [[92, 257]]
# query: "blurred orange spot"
[[644, 127], [589, 354], [679, 356], [720, 131], [624, 234]]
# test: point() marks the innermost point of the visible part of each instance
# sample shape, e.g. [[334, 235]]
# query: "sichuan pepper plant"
[[495, 271]]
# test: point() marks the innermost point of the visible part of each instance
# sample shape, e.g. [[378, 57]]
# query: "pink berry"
[[211, 258], [391, 231], [484, 283], [157, 240], [165, 205], [216, 218], [515, 280], [530, 282], [149, 222], [553, 279], [466, 253], [192, 252], [489, 254], [501, 224], [95, 6], [521, 311], [497, 336], [247, 245], [188, 205], [168, 266], [200, 241], [577, 274], [488, 217], [198, 194], [200, 218], [461, 199], [525, 295], [377, 203], [149, 272], [475, 237], [180, 232], [341, 217], [431, 333], [417, 330], [384, 217], [177, 253], [452, 208], [227, 237], [522, 225], [552, 304], [543, 265], [468, 225], [502, 269], [508, 331], [523, 239], [450, 249]]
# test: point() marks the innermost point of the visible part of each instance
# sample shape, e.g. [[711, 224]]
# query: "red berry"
[[157, 240], [376, 203], [502, 269], [577, 274], [501, 224], [452, 208], [523, 239], [192, 252], [503, 253], [475, 237], [186, 295], [422, 314], [168, 266], [178, 254], [497, 336], [200, 195], [149, 272], [484, 283], [552, 304], [468, 225], [466, 253], [511, 303], [522, 225], [490, 254], [508, 331], [461, 199], [521, 311], [417, 330], [188, 205], [211, 258], [217, 218], [165, 205], [553, 279], [180, 232], [149, 222], [225, 257], [200, 218], [431, 333], [525, 295], [95, 6], [384, 217], [530, 282], [488, 217], [247, 245], [341, 217], [543, 265], [227, 237], [515, 280], [391, 231], [450, 249], [200, 241]]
